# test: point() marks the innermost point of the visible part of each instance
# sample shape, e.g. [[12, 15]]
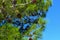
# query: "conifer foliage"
[[23, 19]]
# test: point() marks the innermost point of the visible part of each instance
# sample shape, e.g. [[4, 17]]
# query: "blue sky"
[[52, 31]]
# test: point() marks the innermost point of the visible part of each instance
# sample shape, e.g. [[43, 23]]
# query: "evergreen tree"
[[23, 19]]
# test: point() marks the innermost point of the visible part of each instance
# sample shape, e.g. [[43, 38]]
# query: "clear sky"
[[52, 31]]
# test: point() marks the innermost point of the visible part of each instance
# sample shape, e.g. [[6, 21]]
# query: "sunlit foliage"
[[23, 19]]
